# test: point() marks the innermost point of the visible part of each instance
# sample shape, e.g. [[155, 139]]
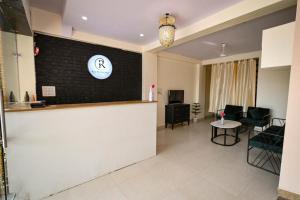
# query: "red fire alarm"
[[36, 51]]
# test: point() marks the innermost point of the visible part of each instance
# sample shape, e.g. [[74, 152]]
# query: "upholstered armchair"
[[268, 147], [232, 112], [257, 117]]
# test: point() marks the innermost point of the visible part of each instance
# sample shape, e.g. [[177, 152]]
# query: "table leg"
[[215, 132], [225, 133], [236, 134]]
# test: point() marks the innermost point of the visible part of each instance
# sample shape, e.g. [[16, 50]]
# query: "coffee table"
[[228, 124]]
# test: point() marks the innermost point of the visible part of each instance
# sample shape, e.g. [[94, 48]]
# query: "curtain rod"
[[255, 58]]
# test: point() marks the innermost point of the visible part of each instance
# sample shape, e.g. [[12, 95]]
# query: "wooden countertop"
[[79, 105]]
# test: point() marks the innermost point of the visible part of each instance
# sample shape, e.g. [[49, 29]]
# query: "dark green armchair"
[[257, 117], [232, 112], [267, 147]]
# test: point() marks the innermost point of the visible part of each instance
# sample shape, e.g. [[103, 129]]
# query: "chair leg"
[[236, 134], [248, 150], [264, 157]]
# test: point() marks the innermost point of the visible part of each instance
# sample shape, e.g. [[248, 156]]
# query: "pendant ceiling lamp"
[[167, 30]]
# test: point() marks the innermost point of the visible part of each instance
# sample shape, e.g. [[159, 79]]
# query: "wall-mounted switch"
[[48, 91]]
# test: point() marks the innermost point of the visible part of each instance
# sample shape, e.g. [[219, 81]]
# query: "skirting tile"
[[285, 195]]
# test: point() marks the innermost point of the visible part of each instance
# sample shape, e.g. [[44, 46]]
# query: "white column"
[[290, 173], [149, 76]]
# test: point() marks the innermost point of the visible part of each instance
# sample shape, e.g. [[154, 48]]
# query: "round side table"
[[228, 124]]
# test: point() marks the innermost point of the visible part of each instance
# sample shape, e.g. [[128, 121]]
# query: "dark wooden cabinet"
[[177, 113]]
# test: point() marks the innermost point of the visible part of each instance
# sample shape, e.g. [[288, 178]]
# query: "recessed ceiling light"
[[84, 18], [141, 35]]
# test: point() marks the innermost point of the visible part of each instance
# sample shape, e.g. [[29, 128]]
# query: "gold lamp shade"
[[167, 30]]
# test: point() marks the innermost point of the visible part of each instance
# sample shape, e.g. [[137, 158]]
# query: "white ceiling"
[[242, 38], [125, 20]]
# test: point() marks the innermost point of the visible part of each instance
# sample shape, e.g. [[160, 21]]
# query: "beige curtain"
[[233, 84], [222, 88], [245, 86]]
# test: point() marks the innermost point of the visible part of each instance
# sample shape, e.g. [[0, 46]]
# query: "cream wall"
[[201, 90], [290, 173], [149, 74], [46, 22], [277, 46], [272, 90], [176, 72]]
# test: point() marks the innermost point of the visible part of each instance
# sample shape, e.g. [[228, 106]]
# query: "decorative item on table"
[[38, 104], [222, 114], [26, 98], [151, 93], [36, 50], [33, 98], [12, 97], [196, 111]]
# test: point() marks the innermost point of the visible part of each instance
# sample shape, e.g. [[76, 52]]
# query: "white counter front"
[[53, 150]]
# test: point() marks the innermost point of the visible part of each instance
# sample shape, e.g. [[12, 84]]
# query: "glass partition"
[[9, 77], [12, 20], [10, 89]]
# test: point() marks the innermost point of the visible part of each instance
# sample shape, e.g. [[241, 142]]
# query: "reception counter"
[[57, 147]]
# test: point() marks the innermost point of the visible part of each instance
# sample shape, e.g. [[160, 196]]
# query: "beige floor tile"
[[126, 173], [199, 188], [145, 187], [177, 195]]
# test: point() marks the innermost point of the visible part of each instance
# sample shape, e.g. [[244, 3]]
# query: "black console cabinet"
[[177, 113]]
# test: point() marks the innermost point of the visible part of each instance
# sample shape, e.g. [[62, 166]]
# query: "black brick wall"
[[63, 63]]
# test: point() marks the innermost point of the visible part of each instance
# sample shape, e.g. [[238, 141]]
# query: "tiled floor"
[[188, 166]]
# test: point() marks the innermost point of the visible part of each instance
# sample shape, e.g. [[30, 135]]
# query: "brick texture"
[[63, 63]]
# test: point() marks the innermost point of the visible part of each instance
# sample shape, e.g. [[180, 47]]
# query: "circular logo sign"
[[100, 67]]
